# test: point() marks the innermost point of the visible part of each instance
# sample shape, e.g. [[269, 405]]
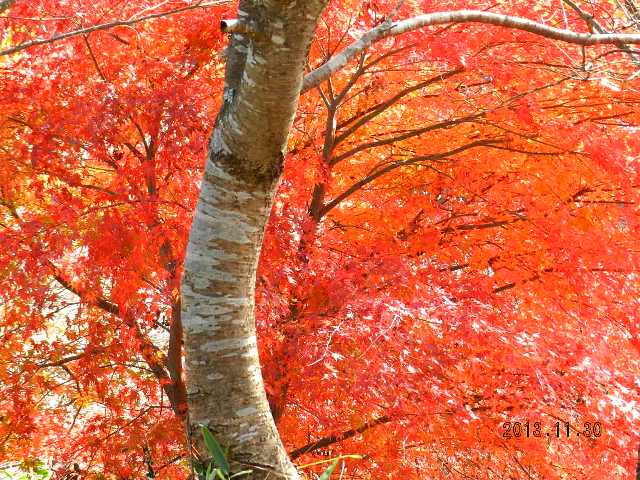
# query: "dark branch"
[[381, 107], [331, 439], [392, 166], [411, 134]]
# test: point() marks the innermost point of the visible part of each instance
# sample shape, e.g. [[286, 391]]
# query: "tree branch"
[[593, 24], [103, 26], [393, 29], [331, 439], [100, 302], [392, 166], [482, 226], [70, 358], [404, 136], [174, 357], [153, 356], [381, 107]]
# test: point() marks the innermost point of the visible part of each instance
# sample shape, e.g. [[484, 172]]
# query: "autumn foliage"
[[453, 245]]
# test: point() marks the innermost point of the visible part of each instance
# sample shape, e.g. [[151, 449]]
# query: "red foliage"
[[488, 276]]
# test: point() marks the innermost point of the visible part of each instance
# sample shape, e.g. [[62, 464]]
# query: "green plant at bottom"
[[218, 467], [327, 473]]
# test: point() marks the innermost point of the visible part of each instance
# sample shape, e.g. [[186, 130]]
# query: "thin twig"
[[106, 26]]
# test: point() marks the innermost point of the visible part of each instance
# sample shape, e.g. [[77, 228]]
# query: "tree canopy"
[[452, 245]]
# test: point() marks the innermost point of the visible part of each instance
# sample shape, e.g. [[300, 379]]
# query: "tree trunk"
[[263, 79]]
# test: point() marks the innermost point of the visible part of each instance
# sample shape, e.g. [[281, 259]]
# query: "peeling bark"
[[224, 382]]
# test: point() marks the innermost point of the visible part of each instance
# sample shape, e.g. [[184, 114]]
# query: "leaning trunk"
[[265, 61], [226, 392]]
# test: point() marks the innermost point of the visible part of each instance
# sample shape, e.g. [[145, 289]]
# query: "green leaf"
[[215, 450], [327, 473], [239, 474], [221, 475]]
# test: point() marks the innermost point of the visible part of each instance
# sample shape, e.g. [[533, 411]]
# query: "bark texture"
[[262, 86]]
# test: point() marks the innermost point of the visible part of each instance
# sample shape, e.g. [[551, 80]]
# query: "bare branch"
[[387, 30], [381, 107], [404, 136], [392, 166], [331, 439], [105, 26], [593, 24]]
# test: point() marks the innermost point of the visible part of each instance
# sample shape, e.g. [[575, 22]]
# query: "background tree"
[[448, 250]]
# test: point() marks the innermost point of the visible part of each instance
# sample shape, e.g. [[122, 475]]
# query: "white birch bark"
[[392, 29], [262, 86]]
